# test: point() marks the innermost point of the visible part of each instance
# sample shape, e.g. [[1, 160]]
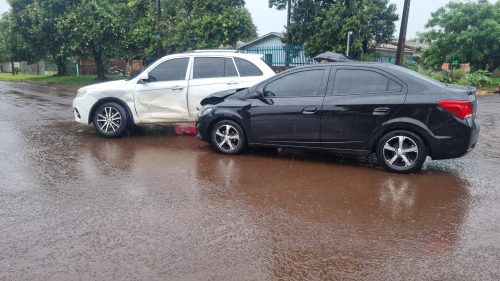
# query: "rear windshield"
[[421, 76]]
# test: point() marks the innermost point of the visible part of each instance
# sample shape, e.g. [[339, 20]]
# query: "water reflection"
[[327, 215], [295, 215]]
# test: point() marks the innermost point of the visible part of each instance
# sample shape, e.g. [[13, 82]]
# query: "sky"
[[270, 20]]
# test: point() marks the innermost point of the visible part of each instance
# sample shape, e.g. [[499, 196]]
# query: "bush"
[[479, 78], [476, 79], [456, 75]]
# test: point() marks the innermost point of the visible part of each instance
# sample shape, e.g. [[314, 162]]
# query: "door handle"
[[309, 110], [177, 88], [232, 82], [381, 111]]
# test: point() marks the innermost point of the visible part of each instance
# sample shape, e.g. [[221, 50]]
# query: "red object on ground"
[[185, 128]]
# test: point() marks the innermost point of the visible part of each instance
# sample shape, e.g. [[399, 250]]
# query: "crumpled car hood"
[[219, 97]]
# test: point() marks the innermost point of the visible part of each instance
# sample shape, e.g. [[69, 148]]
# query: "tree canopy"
[[105, 29], [467, 32], [207, 24], [322, 25]]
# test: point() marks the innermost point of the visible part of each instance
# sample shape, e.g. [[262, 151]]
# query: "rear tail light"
[[461, 109]]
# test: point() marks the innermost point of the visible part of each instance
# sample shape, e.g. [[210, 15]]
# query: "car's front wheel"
[[228, 137], [401, 152], [111, 120]]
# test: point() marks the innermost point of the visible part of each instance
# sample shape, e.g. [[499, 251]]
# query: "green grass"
[[68, 81]]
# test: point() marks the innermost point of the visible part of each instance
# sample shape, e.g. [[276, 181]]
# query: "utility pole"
[[402, 34], [158, 34], [288, 33]]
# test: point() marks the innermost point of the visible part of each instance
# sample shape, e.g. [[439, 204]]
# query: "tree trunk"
[[62, 70], [12, 66], [60, 61], [99, 64]]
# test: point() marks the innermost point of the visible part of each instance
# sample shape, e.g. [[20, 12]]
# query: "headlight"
[[206, 110]]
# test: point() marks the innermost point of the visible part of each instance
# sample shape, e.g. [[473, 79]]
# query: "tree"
[[5, 41], [12, 46], [140, 26], [94, 27], [322, 25], [467, 32], [206, 24], [36, 23]]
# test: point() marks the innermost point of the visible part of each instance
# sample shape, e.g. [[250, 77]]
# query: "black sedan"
[[347, 108]]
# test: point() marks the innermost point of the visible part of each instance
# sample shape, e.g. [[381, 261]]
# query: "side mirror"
[[257, 94], [144, 78]]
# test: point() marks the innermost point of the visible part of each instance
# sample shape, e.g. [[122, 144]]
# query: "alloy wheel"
[[109, 120], [400, 152], [227, 138]]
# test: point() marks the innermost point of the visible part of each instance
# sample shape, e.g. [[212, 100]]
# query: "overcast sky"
[[269, 20]]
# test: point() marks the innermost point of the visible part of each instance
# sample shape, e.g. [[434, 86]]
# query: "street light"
[[348, 42]]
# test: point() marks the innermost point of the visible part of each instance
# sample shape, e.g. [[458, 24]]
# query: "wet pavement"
[[156, 206]]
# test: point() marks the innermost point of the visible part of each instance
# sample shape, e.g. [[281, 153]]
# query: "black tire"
[[401, 152], [228, 137], [111, 120]]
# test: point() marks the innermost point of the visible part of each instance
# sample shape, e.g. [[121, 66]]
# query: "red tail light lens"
[[461, 109]]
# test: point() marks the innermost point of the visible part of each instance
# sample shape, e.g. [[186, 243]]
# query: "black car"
[[348, 108]]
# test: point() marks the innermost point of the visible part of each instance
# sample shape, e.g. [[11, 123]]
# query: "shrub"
[[476, 79], [479, 78], [437, 75], [456, 75]]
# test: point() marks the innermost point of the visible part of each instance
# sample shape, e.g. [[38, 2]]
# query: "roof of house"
[[410, 47], [270, 34]]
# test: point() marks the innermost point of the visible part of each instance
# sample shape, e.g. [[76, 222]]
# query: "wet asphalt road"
[[155, 206]]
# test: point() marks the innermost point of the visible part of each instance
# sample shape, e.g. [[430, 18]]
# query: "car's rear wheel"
[[228, 137], [111, 120], [401, 152]]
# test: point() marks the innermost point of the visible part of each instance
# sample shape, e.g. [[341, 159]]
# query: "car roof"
[[354, 63], [217, 52]]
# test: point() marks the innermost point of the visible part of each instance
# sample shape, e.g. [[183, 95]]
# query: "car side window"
[[359, 81], [213, 68], [394, 86], [229, 68], [247, 68], [170, 70], [299, 84]]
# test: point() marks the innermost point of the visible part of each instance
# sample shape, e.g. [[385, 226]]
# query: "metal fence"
[[392, 59], [277, 55]]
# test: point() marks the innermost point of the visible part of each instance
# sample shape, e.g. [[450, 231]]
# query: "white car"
[[168, 91]]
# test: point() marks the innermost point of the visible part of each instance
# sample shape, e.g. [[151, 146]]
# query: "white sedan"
[[168, 91]]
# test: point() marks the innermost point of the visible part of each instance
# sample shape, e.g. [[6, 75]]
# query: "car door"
[[358, 101], [210, 75], [163, 97], [289, 112]]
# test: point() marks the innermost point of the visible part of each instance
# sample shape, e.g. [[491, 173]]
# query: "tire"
[[228, 137], [111, 120], [401, 152]]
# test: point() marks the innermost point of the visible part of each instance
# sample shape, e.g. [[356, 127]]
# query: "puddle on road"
[[154, 205]]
